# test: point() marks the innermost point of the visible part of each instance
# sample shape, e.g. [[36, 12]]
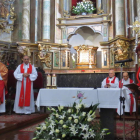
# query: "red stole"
[[131, 95], [1, 90], [120, 82], [138, 76], [25, 101], [113, 81]]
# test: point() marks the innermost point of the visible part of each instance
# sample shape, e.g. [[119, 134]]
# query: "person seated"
[[130, 105], [110, 82]]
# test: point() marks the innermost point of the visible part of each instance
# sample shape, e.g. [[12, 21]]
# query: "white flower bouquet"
[[83, 7], [74, 123]]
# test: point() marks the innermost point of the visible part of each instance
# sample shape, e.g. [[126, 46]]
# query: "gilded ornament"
[[43, 55], [7, 10]]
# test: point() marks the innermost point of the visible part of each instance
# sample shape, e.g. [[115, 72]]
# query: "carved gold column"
[[119, 13], [26, 21], [46, 20]]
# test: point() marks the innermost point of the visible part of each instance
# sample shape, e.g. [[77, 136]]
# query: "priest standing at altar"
[[110, 82], [3, 86], [130, 105], [25, 75]]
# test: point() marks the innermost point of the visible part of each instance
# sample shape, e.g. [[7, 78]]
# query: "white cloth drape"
[[19, 76]]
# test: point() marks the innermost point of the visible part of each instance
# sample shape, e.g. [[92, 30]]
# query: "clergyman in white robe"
[[127, 98], [19, 76]]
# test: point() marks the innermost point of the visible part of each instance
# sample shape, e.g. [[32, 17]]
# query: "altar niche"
[[86, 56]]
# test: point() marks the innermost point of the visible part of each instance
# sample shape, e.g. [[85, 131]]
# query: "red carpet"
[[18, 118]]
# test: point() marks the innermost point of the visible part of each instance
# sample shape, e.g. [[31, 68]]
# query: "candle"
[[48, 80], [54, 80]]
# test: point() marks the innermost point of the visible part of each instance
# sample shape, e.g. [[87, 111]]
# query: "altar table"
[[107, 98]]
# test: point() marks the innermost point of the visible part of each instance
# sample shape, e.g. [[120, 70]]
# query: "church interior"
[[72, 44]]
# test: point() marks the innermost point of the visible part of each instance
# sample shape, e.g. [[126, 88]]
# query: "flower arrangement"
[[75, 123], [83, 7]]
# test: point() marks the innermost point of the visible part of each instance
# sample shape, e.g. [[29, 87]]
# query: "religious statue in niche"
[[86, 56]]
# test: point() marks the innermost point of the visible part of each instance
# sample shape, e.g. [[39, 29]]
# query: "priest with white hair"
[[25, 75], [111, 81]]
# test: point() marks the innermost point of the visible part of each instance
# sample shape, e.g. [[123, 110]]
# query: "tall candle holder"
[[48, 79], [54, 85]]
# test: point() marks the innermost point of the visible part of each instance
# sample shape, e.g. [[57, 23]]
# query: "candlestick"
[[54, 80], [48, 80]]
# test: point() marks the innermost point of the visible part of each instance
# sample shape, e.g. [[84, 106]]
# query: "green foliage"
[[83, 7], [76, 122]]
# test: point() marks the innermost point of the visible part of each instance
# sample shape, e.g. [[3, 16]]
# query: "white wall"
[[86, 36]]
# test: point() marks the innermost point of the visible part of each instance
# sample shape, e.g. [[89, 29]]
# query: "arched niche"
[[87, 36]]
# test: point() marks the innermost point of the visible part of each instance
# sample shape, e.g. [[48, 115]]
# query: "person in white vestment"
[[3, 86], [110, 82], [130, 104], [25, 75]]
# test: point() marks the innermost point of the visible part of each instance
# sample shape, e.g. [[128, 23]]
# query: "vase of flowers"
[[74, 123], [83, 7]]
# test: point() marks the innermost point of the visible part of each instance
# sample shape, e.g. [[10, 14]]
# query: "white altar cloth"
[[64, 96], [107, 98]]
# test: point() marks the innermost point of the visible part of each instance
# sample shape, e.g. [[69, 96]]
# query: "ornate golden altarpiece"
[[86, 56]]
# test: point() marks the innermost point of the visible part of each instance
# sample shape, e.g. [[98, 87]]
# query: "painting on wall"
[[56, 60], [105, 58], [65, 59]]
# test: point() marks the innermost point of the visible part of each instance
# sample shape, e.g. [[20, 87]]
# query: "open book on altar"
[[133, 87]]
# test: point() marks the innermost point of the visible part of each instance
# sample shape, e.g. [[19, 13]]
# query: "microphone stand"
[[122, 101]]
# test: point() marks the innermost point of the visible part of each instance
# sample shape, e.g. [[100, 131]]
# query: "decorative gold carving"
[[7, 10], [43, 55], [119, 51], [66, 14], [4, 13], [24, 50]]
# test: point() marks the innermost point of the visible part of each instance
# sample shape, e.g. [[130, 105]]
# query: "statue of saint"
[[4, 9]]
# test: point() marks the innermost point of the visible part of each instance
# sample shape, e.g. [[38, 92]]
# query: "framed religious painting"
[[56, 60], [65, 59], [105, 58]]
